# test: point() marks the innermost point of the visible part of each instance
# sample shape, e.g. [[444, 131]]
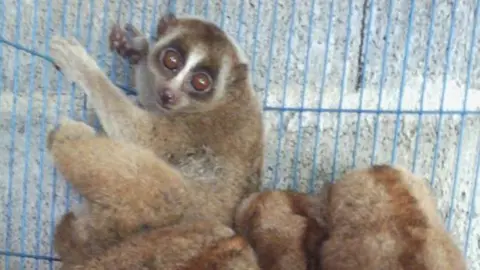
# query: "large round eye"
[[201, 81], [172, 59]]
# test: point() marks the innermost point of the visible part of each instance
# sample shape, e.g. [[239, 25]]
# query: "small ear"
[[166, 21], [240, 72]]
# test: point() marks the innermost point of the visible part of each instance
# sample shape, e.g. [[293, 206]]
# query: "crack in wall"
[[361, 57]]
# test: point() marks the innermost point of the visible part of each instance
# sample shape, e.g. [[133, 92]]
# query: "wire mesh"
[[344, 84]]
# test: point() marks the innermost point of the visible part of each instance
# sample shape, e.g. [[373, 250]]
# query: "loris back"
[[385, 218]]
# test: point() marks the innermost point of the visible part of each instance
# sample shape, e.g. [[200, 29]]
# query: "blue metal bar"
[[462, 121], [362, 86], [402, 85], [382, 79], [472, 209], [284, 94], [13, 127], [475, 194], [320, 102], [43, 124], [255, 46], [298, 145], [444, 87], [57, 118], [342, 91], [424, 84], [28, 140]]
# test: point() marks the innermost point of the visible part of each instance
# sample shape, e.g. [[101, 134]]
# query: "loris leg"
[[119, 117], [130, 180]]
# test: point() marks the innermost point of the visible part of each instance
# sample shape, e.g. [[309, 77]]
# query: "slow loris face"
[[195, 66]]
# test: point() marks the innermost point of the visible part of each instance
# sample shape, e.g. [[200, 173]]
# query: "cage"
[[344, 84]]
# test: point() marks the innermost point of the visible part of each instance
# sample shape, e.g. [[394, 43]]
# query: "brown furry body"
[[385, 218], [381, 218], [199, 246], [277, 225], [154, 169]]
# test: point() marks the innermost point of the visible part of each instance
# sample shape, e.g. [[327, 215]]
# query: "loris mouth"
[[154, 108], [163, 108]]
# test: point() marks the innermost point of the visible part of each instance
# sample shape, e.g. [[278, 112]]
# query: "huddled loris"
[[381, 217]]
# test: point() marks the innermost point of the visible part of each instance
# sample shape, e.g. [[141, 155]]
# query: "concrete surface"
[[31, 193]]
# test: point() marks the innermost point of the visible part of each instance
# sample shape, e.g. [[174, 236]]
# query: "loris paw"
[[71, 58], [128, 42], [69, 130]]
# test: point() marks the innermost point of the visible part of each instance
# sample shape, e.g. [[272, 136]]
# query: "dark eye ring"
[[171, 59], [201, 81]]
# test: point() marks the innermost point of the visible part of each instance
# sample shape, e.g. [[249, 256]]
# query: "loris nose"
[[167, 97]]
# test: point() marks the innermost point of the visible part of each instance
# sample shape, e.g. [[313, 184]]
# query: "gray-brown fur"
[[380, 217], [277, 225], [187, 246], [384, 217], [156, 167]]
